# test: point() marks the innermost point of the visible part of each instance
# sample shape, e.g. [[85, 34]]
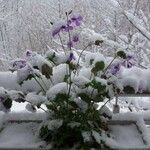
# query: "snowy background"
[[26, 24]]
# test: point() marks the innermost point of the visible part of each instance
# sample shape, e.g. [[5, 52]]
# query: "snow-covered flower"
[[130, 61], [1, 99], [19, 64], [75, 38], [115, 68], [28, 53], [71, 57], [77, 20], [70, 44]]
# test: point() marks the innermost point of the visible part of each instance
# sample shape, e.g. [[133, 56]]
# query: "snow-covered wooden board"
[[128, 134], [23, 149]]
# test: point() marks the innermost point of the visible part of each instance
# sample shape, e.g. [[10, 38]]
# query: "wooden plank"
[[133, 95], [127, 122], [24, 121], [121, 122], [24, 149]]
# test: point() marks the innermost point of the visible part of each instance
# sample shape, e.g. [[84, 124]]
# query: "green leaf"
[[91, 61], [97, 85], [66, 78], [51, 107], [99, 66], [45, 133], [47, 71], [98, 42], [85, 97], [61, 97], [121, 54], [7, 103], [73, 104], [129, 90], [72, 66], [98, 98]]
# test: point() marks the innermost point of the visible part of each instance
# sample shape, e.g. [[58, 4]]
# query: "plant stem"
[[39, 84], [62, 43], [69, 35], [109, 65], [104, 105], [82, 52]]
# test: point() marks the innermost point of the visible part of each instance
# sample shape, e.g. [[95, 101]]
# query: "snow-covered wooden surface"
[[127, 129]]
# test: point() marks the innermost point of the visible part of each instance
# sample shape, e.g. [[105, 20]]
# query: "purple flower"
[[75, 38], [71, 57], [1, 99], [130, 57], [74, 21], [56, 31], [28, 53], [68, 28], [69, 22], [19, 64], [70, 44], [140, 90], [115, 69], [130, 61], [77, 20]]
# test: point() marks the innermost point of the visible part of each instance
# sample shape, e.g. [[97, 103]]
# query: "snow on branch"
[[136, 23]]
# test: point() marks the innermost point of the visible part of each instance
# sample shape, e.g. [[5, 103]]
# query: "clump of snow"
[[92, 58], [136, 78], [35, 99], [80, 81], [55, 124], [86, 72], [60, 88], [59, 73], [30, 108], [97, 136], [105, 111], [81, 104], [74, 124], [86, 136]]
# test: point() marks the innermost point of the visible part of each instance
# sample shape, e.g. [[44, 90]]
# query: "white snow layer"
[[20, 136]]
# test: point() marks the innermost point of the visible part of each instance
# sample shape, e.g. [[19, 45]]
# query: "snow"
[[97, 136], [86, 136], [80, 81], [135, 21], [55, 124], [135, 77], [126, 137], [22, 115], [35, 99], [59, 73], [61, 88], [93, 36], [86, 72], [8, 80], [92, 58], [20, 136]]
